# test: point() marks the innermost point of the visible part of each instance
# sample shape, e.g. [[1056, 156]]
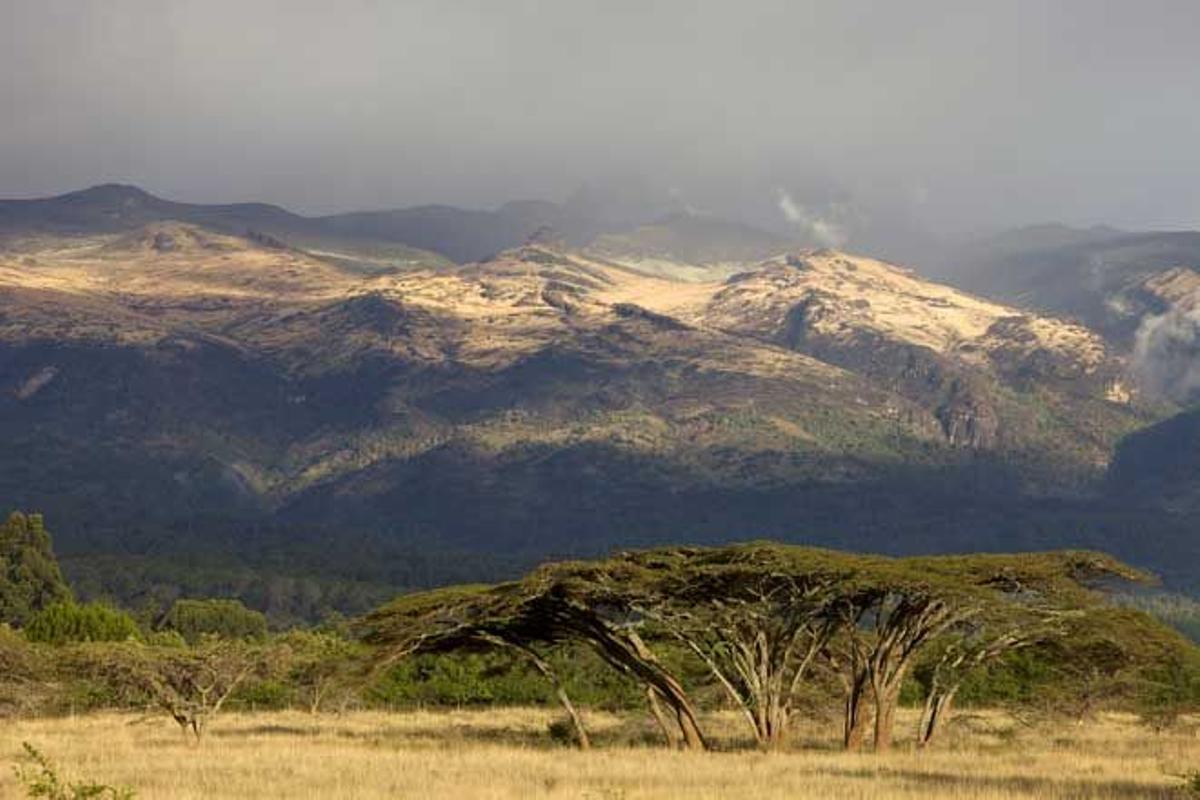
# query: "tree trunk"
[[885, 715], [937, 710], [672, 692], [691, 729], [580, 732], [854, 726], [667, 727], [560, 691]]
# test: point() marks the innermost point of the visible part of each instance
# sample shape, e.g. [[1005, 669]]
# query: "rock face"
[[963, 358]]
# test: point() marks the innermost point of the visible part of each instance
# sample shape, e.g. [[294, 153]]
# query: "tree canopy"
[[30, 579], [760, 614]]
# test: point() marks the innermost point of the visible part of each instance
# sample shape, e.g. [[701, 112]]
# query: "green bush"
[[459, 679], [503, 678], [67, 622], [263, 695], [223, 618]]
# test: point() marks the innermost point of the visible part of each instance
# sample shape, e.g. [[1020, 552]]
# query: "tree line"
[[772, 631]]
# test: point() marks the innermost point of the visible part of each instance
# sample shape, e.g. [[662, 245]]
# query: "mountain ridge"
[[546, 399]]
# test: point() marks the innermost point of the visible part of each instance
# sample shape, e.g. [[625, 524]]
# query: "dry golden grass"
[[507, 753]]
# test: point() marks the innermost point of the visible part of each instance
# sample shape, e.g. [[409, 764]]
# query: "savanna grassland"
[[508, 753]]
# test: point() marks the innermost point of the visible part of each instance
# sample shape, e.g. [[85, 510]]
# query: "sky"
[[853, 121]]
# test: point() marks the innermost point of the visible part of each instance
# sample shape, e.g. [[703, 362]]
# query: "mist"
[[1165, 356], [876, 126]]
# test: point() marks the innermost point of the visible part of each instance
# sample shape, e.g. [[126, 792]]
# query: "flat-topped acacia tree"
[[554, 604], [754, 615], [986, 604], [459, 618], [1032, 599], [759, 615]]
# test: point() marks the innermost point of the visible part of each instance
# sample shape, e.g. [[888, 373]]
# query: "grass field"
[[507, 753]]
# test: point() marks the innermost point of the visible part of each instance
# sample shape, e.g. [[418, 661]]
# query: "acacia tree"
[[554, 604], [885, 627], [894, 608], [754, 615], [758, 616], [190, 684], [758, 646], [320, 666], [962, 656], [466, 617], [1030, 599]]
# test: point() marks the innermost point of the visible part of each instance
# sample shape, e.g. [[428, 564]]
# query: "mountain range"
[[397, 398]]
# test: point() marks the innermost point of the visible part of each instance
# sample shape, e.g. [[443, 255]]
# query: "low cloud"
[[1166, 355], [829, 227]]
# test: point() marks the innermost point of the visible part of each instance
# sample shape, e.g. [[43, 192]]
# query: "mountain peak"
[[124, 193]]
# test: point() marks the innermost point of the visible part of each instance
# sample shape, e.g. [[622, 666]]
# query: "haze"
[[874, 125]]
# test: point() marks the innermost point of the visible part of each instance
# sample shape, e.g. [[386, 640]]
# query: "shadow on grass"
[[1016, 784], [269, 730], [628, 734]]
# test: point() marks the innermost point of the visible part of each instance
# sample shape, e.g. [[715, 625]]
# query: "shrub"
[[223, 618], [91, 622], [41, 779]]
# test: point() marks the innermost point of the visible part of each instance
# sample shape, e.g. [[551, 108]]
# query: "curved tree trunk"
[[669, 730], [671, 691], [937, 711], [564, 699], [547, 671]]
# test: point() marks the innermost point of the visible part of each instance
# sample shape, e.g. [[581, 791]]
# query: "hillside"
[[173, 390], [1110, 280], [117, 208]]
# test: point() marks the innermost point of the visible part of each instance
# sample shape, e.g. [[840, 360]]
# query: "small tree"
[[1027, 600], [30, 579], [191, 685], [320, 664]]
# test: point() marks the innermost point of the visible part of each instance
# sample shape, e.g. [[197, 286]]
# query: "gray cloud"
[[932, 115]]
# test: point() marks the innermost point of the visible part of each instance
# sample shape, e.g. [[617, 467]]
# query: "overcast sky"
[[949, 116]]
